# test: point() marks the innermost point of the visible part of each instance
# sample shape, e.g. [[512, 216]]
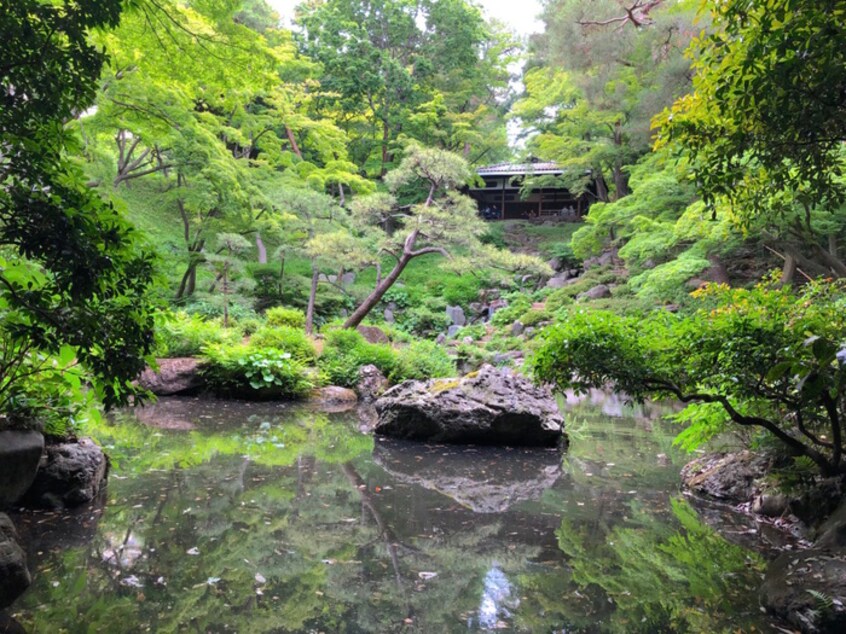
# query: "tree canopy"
[[72, 271]]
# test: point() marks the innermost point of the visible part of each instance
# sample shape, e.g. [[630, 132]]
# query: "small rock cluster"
[[53, 476]]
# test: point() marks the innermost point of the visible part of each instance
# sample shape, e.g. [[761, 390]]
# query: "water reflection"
[[261, 518], [482, 479], [497, 603]]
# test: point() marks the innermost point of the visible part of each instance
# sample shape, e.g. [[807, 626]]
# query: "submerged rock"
[[179, 376], [70, 474], [490, 480], [14, 575], [808, 590], [490, 407], [20, 453]]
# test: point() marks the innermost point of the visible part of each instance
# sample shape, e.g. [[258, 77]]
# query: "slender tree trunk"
[[281, 271], [621, 182], [386, 135], [368, 304], [832, 262], [225, 297], [788, 271], [188, 284], [342, 199], [293, 141], [601, 187], [312, 296], [262, 250]]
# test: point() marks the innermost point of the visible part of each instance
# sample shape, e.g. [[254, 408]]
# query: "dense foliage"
[[73, 279], [762, 358]]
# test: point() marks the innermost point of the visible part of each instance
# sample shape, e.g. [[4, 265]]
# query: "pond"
[[235, 517]]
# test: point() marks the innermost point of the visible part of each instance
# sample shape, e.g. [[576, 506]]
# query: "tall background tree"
[[597, 76], [429, 70]]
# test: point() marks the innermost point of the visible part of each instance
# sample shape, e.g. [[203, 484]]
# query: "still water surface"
[[235, 517]]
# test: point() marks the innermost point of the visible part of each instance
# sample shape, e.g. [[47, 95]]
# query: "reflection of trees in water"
[[325, 544], [662, 579], [314, 534]]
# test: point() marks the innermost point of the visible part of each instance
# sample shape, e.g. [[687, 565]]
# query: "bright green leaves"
[[395, 69], [765, 114], [763, 357], [74, 276], [238, 369]]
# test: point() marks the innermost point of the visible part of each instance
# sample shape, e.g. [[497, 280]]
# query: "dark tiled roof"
[[512, 169]]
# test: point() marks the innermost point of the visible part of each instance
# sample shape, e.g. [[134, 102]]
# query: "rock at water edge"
[[20, 453], [178, 376], [14, 575], [70, 474], [490, 407]]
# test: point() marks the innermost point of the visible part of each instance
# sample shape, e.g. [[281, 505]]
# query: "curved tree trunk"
[[368, 304]]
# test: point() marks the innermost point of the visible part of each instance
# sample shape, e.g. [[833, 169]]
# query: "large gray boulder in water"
[[489, 407]]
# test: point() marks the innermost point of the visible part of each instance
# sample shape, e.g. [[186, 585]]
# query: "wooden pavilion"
[[500, 198]]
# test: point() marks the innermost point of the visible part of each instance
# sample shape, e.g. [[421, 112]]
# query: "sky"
[[520, 15]]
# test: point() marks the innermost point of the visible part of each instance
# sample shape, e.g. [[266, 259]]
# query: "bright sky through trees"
[[521, 16]]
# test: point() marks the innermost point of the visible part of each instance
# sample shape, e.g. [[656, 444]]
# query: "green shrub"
[[460, 290], [236, 369], [282, 316], [766, 358], [494, 235], [287, 339], [184, 335], [398, 295], [423, 360], [564, 252], [533, 317], [248, 325], [558, 299], [343, 340], [48, 393], [516, 307], [472, 356], [345, 351], [210, 307], [476, 331], [424, 321], [339, 369], [666, 282]]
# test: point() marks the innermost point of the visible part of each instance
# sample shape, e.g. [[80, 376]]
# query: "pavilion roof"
[[518, 169]]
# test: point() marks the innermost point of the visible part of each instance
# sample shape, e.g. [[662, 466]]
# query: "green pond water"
[[235, 517]]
